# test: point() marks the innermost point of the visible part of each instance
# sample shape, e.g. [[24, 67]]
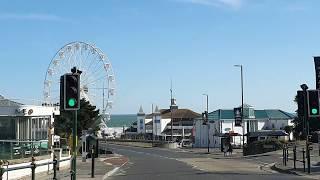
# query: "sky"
[[194, 43]]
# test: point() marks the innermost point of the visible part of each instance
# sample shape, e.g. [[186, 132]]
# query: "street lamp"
[[207, 120], [242, 106]]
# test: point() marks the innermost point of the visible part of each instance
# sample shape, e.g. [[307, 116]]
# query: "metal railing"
[[299, 154], [17, 149], [32, 166]]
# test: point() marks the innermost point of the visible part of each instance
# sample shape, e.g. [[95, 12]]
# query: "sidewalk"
[[105, 166], [314, 170], [216, 152]]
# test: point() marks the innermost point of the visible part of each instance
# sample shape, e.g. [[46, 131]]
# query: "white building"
[[26, 122], [222, 125], [157, 125]]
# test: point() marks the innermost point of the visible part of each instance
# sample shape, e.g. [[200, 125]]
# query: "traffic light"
[[300, 102], [313, 103], [205, 117], [237, 117], [62, 92], [72, 91]]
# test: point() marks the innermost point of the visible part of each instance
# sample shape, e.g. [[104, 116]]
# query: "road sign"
[[237, 116], [317, 68]]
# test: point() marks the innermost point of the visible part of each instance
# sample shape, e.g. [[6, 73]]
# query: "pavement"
[[105, 166], [300, 171], [159, 164], [138, 163], [273, 161]]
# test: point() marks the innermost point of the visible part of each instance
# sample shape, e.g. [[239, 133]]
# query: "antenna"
[[171, 92]]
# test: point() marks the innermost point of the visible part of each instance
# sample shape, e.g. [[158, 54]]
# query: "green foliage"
[[288, 130], [88, 117], [258, 147]]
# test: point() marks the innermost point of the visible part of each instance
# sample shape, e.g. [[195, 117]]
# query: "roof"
[[176, 114], [268, 133], [7, 102], [271, 114], [141, 111]]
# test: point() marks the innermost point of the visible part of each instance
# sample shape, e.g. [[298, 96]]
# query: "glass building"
[[25, 122]]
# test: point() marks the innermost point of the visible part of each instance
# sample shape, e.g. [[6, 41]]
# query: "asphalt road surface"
[[163, 164]]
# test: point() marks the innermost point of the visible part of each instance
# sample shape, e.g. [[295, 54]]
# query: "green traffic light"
[[72, 102], [314, 111]]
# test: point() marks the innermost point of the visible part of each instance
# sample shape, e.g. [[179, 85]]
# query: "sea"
[[119, 122]]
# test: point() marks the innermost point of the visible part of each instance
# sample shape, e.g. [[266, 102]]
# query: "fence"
[[19, 149], [33, 165]]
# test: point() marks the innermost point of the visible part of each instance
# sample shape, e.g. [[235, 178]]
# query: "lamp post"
[[207, 120], [241, 68]]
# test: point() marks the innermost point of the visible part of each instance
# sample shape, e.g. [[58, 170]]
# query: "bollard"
[[294, 156], [1, 169], [72, 174], [55, 162], [304, 160], [92, 162], [308, 159], [287, 153], [283, 156], [33, 168]]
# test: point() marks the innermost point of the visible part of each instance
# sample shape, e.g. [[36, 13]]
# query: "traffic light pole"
[[74, 148], [306, 123]]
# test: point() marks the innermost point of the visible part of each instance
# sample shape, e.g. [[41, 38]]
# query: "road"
[[163, 164]]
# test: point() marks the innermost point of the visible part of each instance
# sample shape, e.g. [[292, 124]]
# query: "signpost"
[[237, 117], [317, 68]]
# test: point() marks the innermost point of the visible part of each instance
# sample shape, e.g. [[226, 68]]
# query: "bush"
[[263, 146]]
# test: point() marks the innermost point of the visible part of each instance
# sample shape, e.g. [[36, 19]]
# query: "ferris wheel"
[[97, 81]]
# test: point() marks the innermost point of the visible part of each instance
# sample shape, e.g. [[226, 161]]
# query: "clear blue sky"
[[194, 42]]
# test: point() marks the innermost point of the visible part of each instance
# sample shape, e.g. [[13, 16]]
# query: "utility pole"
[[208, 125], [152, 124], [242, 120], [171, 109]]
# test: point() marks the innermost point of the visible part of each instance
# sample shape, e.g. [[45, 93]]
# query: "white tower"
[[157, 122], [141, 124]]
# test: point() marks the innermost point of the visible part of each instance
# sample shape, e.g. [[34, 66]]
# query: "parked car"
[[185, 143]]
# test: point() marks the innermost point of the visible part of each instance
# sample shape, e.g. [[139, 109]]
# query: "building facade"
[[222, 124], [26, 122], [157, 125]]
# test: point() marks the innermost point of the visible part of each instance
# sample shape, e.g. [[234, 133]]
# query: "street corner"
[[284, 170], [280, 169]]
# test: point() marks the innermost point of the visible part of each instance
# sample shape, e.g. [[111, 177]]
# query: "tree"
[[88, 117], [298, 123], [288, 130]]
